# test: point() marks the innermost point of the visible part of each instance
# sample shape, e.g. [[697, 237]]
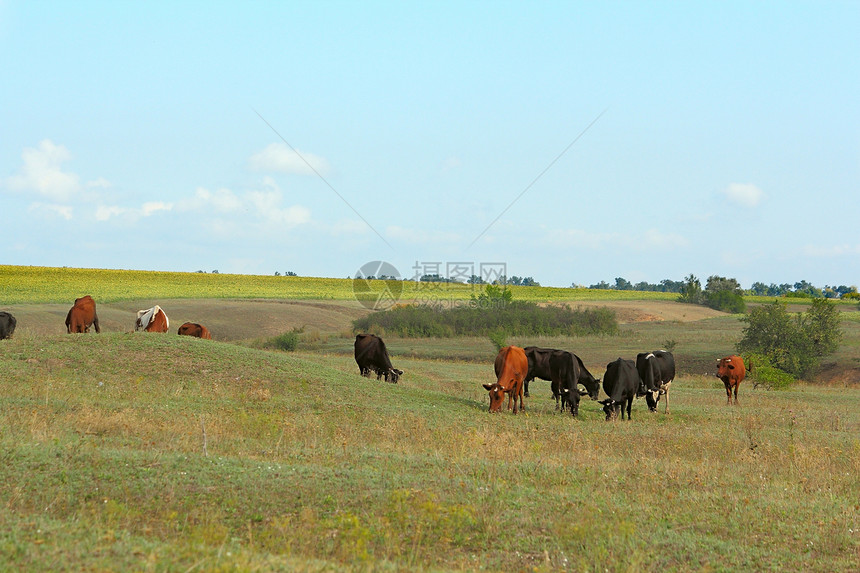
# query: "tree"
[[724, 294], [691, 292], [622, 284], [792, 344]]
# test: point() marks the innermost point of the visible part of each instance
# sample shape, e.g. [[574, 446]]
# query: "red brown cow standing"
[[511, 368], [194, 329], [82, 315], [732, 372], [152, 320]]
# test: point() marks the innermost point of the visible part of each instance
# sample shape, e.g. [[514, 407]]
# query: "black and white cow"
[[621, 383], [7, 324], [656, 370], [372, 356]]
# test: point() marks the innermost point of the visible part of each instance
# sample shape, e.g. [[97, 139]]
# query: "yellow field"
[[19, 285]]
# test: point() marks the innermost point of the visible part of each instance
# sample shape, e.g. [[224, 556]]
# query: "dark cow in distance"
[[732, 372], [194, 329], [656, 370], [511, 367], [621, 383], [372, 356], [152, 320], [82, 315], [7, 325]]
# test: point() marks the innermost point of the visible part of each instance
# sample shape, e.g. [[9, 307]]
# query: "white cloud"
[[104, 213], [52, 210], [42, 174], [155, 206], [264, 205], [745, 194], [280, 158]]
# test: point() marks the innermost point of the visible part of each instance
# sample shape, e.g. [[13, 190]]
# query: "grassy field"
[[138, 452]]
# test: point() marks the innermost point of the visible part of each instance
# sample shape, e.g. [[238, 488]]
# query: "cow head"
[[393, 375], [592, 388], [497, 396], [610, 408]]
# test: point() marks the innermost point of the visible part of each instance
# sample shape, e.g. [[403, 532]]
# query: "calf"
[[621, 383], [731, 371], [7, 325], [656, 371], [152, 320], [511, 367], [372, 356]]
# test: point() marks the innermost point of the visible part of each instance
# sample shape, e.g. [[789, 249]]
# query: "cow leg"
[[666, 411], [629, 406], [736, 393], [728, 394]]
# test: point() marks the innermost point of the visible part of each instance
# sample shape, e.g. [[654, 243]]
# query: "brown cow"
[[82, 315], [732, 372], [511, 368], [194, 329], [152, 320]]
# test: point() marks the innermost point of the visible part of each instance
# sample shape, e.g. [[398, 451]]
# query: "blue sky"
[[726, 140]]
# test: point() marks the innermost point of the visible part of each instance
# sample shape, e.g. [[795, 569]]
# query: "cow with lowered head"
[[539, 367], [656, 370], [82, 315], [372, 356], [152, 320], [621, 383], [566, 370], [511, 367], [732, 372], [7, 324], [194, 329]]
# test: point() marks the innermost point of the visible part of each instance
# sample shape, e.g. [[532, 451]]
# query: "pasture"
[[125, 451]]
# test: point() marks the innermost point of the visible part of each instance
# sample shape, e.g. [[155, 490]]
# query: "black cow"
[[372, 356], [621, 383], [564, 371], [7, 325], [539, 367], [656, 370]]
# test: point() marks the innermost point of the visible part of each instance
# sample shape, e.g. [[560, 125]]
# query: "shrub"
[[517, 318], [765, 374], [287, 341], [499, 339], [793, 344], [726, 301]]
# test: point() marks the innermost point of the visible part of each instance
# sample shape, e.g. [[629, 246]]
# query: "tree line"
[[801, 289]]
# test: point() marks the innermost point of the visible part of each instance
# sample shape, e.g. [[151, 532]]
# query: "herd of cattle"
[[82, 316], [650, 375]]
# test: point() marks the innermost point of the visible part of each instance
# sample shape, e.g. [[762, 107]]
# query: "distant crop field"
[[22, 284]]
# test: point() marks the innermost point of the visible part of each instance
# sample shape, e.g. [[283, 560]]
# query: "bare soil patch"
[[631, 311]]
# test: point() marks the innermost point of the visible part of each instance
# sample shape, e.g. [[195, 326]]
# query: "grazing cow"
[[656, 370], [194, 329], [152, 320], [7, 325], [539, 367], [82, 315], [511, 367], [621, 383], [372, 356], [731, 371], [564, 368]]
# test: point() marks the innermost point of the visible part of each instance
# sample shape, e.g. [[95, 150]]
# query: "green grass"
[[158, 452]]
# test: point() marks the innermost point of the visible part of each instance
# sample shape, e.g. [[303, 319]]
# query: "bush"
[[792, 344], [499, 339], [765, 374], [726, 301], [287, 341], [517, 318]]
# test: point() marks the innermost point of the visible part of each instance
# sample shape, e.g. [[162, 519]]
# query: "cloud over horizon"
[[744, 194]]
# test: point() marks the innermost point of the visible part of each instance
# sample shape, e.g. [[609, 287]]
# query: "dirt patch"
[[839, 375], [632, 311]]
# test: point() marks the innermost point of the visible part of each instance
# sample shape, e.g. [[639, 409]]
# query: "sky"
[[572, 142]]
